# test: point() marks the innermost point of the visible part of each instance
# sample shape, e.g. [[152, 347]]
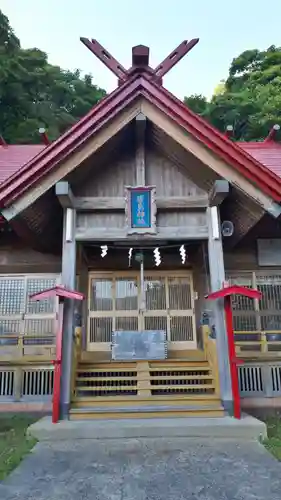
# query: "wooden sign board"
[[134, 345], [269, 252], [140, 210]]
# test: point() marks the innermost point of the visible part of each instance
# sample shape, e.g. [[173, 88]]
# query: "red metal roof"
[[267, 153], [13, 157], [49, 157], [58, 291]]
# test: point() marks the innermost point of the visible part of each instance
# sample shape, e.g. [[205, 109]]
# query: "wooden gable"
[[100, 196]]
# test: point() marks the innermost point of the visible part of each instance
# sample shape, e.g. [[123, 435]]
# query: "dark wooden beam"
[[87, 204], [218, 193], [106, 58], [175, 56], [188, 232], [64, 194]]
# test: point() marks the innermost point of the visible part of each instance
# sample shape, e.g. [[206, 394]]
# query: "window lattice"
[[19, 314], [12, 296]]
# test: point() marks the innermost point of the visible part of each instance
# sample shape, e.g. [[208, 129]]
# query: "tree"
[[197, 103], [251, 98], [34, 93]]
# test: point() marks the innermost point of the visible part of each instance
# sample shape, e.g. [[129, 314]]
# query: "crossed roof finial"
[[140, 59]]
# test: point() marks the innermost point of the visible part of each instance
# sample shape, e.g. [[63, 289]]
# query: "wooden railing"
[[210, 349], [21, 382], [27, 347], [252, 344], [76, 357]]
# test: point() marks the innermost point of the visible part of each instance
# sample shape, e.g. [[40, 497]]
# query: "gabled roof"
[[139, 85], [13, 157], [267, 152]]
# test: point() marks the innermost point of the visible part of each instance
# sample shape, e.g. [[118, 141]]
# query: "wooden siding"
[[111, 180], [169, 182], [111, 226], [26, 260], [242, 258], [16, 257], [159, 171], [168, 178]]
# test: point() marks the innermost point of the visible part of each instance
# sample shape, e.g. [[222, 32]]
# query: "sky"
[[225, 30]]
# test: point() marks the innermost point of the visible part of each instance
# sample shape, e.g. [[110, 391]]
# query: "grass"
[[273, 441], [14, 443]]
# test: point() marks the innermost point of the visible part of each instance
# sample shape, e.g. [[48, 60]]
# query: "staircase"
[[141, 389]]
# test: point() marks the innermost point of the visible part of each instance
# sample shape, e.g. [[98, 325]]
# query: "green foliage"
[[251, 98], [197, 103], [273, 441], [14, 442], [34, 93]]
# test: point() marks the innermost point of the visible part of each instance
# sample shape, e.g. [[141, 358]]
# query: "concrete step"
[[225, 427]]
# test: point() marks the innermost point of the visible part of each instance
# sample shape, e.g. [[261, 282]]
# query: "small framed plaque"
[[134, 345], [140, 210]]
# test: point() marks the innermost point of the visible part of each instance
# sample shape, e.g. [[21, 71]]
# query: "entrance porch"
[[187, 381]]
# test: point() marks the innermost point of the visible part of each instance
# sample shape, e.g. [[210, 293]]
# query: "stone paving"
[[146, 469]]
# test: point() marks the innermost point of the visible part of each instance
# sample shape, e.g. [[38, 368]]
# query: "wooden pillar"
[[64, 194], [140, 149], [217, 278]]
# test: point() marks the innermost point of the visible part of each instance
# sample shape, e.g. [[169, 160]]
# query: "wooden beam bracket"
[[218, 193], [65, 195]]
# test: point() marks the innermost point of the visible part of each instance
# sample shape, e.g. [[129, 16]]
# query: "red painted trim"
[[106, 109], [235, 290], [232, 358], [57, 367]]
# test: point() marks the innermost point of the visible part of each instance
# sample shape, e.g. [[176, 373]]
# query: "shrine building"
[[143, 208]]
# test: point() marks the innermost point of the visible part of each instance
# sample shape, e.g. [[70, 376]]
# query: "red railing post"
[[62, 293], [226, 293], [233, 361]]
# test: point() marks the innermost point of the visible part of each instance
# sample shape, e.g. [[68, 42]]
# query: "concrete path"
[[146, 469]]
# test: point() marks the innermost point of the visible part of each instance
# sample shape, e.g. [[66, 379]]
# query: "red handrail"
[[57, 367]]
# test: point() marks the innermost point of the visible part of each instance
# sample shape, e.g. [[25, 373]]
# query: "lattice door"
[[170, 307], [115, 304]]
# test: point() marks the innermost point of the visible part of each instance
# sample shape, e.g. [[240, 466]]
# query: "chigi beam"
[[140, 59], [176, 55], [106, 58]]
